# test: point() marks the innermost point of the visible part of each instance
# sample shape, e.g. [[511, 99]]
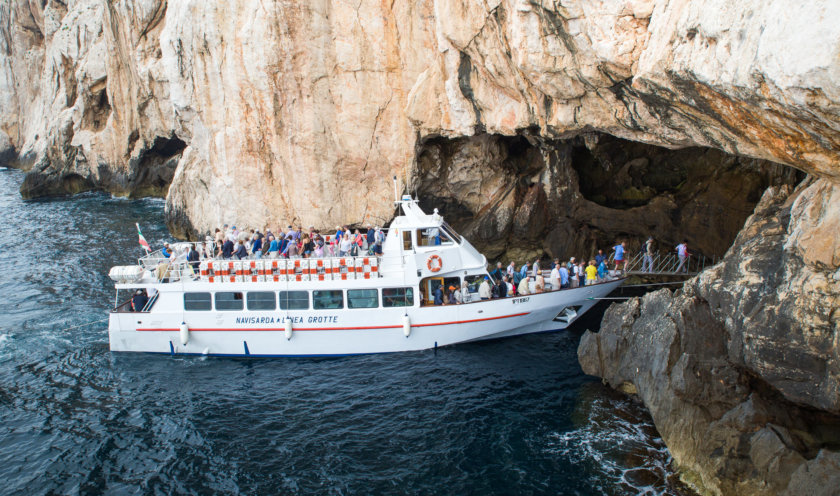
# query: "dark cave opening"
[[526, 196], [155, 166]]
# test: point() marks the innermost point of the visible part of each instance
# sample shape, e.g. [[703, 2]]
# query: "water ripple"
[[512, 416]]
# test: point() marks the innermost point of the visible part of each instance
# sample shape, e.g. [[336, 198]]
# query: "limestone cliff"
[[507, 112], [741, 367], [260, 111]]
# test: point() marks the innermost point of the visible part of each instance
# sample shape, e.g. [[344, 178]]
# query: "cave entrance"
[[525, 197]]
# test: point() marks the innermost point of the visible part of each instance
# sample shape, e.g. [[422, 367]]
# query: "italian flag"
[[142, 240]]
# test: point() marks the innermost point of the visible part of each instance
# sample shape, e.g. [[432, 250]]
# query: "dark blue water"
[[514, 416]]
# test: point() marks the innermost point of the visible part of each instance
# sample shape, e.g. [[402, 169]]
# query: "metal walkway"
[[665, 264]]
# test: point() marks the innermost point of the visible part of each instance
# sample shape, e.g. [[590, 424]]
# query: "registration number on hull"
[[517, 301]]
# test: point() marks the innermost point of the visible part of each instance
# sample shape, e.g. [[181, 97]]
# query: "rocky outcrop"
[[272, 111], [741, 367], [283, 106]]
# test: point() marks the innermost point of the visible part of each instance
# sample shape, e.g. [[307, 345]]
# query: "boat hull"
[[349, 331]]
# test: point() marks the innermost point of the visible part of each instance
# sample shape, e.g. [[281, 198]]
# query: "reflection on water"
[[505, 417]]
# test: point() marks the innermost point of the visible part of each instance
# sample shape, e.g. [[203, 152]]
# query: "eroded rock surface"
[[283, 106], [741, 368]]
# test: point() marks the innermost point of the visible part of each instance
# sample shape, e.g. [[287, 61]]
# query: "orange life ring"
[[434, 263]]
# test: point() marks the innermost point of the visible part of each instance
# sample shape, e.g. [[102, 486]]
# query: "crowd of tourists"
[[530, 277], [230, 243]]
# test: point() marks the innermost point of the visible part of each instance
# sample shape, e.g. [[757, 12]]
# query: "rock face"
[[741, 368], [270, 111], [524, 196], [507, 113]]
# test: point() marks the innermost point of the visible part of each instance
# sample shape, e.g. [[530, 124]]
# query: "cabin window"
[[362, 298], [473, 282], [406, 240], [261, 300], [229, 301], [294, 300], [450, 232], [327, 300], [433, 236], [397, 297], [197, 301]]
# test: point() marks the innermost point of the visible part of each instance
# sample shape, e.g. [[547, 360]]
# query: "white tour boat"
[[332, 306]]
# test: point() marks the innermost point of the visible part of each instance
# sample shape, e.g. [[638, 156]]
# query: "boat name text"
[[311, 319], [520, 300]]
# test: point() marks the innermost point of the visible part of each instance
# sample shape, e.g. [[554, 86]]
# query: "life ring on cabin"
[[434, 263]]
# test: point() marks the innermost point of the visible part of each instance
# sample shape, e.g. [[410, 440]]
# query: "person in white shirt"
[[554, 278], [465, 292], [484, 288], [536, 268], [524, 286]]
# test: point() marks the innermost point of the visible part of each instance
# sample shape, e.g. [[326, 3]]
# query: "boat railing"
[[165, 270]]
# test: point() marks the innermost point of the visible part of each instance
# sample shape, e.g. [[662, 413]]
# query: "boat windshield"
[[451, 232]]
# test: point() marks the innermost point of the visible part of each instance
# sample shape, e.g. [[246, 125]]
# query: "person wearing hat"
[[484, 288], [165, 250]]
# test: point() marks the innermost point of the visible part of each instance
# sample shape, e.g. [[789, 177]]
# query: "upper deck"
[[416, 245]]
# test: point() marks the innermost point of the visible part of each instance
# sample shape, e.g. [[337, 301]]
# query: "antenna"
[[396, 195]]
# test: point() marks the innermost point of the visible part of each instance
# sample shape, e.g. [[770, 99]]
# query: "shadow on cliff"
[[523, 197], [147, 174]]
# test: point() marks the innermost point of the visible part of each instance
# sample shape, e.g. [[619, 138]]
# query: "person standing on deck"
[[600, 257], [497, 272], [539, 285], [438, 296], [524, 286], [139, 300], [511, 269], [241, 251], [591, 273], [564, 277], [371, 236], [682, 253], [465, 292], [602, 271], [227, 249], [256, 247], [536, 268], [193, 258], [554, 278], [484, 288], [523, 272]]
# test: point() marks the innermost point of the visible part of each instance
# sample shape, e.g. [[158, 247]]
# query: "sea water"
[[512, 416]]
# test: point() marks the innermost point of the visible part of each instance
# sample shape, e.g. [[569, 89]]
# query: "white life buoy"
[[406, 325], [185, 333], [288, 328]]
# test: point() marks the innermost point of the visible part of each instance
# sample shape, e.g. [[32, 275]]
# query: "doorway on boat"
[[430, 285], [139, 300]]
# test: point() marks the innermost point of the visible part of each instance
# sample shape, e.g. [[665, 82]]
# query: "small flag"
[[142, 240]]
